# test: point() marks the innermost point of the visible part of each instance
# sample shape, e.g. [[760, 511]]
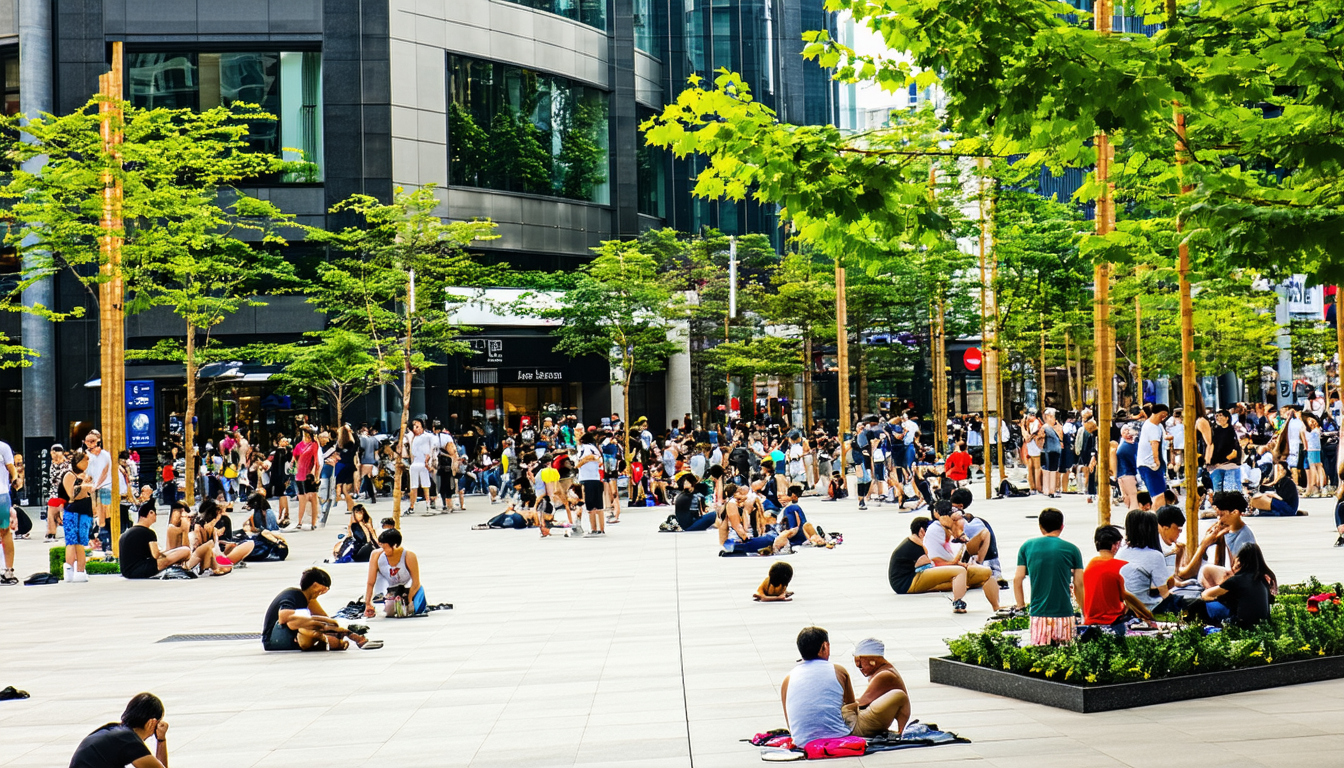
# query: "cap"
[[58, 447], [870, 646]]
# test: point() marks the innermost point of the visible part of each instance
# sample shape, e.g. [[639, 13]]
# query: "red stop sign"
[[972, 358]]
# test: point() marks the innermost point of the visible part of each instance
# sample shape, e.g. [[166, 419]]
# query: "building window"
[[647, 38], [517, 130], [285, 84], [590, 12], [11, 64], [652, 163]]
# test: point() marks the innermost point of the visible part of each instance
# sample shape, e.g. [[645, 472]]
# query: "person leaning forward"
[[818, 697]]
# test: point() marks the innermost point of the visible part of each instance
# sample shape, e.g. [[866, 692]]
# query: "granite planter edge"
[[1103, 698]]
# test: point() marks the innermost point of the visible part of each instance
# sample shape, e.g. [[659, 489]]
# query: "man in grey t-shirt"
[[1231, 529], [368, 463]]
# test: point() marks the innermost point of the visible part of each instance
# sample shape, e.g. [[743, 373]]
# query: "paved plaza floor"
[[640, 649]]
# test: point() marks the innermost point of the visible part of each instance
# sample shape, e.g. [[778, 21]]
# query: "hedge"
[[94, 567]]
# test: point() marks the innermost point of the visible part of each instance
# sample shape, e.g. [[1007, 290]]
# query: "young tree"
[[191, 241], [339, 368], [387, 285], [618, 310]]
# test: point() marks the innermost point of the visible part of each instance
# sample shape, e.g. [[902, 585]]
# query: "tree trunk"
[[406, 379], [189, 417], [863, 379], [1188, 383], [807, 383], [629, 371]]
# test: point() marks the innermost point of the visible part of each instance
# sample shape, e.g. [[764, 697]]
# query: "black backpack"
[[1009, 491]]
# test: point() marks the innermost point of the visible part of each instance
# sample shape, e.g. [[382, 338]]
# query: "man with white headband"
[[885, 702]]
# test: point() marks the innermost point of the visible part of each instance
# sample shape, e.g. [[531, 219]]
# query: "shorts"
[[1218, 611], [4, 511], [419, 476], [282, 638], [1278, 508], [1050, 461], [105, 496], [1313, 457], [1046, 630], [76, 527], [592, 495], [145, 569], [304, 487], [879, 471]]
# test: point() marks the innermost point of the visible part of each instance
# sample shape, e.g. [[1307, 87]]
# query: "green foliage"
[[56, 564], [338, 368], [1292, 633], [365, 288], [469, 150], [583, 156], [517, 161], [1314, 342]]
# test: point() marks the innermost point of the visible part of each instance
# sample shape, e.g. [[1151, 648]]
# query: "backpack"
[[845, 746], [1009, 491]]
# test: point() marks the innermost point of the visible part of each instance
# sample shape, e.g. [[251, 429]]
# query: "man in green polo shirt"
[[1054, 566]]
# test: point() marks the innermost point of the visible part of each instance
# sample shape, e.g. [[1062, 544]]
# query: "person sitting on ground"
[[1106, 601], [981, 543], [1243, 597], [1282, 500], [388, 524], [910, 571], [295, 621], [794, 523], [816, 692], [212, 527], [359, 537], [1145, 571], [775, 588], [689, 510], [1170, 523], [1055, 566], [118, 745], [179, 525], [140, 555], [396, 567], [886, 700], [1143, 501], [1234, 533], [940, 540], [733, 534]]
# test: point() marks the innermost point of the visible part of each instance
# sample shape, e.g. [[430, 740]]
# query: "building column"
[[37, 333], [677, 389]]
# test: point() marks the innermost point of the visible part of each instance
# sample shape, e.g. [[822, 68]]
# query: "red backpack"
[[845, 746]]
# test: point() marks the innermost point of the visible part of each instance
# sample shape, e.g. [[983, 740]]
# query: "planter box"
[[1103, 698]]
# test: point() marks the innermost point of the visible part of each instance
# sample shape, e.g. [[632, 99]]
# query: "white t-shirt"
[[96, 466], [936, 543], [591, 470], [1033, 429], [1177, 432], [423, 446], [1151, 433], [6, 458], [1144, 569]]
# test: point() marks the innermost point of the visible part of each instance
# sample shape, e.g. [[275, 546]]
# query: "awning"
[[251, 373]]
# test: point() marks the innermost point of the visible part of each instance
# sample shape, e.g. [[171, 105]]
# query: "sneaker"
[[69, 569], [862, 505], [410, 512], [958, 606], [8, 579], [595, 534], [1003, 583], [1340, 541], [79, 577]]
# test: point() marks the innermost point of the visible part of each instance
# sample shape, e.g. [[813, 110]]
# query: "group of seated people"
[[1137, 573], [200, 543], [1142, 572], [747, 526]]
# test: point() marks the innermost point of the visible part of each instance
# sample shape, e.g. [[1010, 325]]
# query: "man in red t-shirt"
[[958, 465], [1105, 599]]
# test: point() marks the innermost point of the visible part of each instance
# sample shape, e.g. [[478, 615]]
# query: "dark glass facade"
[[517, 130], [590, 12], [284, 84], [652, 162]]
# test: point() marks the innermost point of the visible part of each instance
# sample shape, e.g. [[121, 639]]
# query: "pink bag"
[[845, 746]]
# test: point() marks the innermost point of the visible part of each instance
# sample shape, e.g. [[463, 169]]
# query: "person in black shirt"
[[117, 745], [140, 555], [908, 558], [1282, 500], [1243, 597], [690, 515], [295, 621]]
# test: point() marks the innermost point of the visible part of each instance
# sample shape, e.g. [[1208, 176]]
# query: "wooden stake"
[[1101, 304], [112, 290], [986, 380], [841, 362]]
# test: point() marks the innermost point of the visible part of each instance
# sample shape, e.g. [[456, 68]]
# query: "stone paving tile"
[[591, 653]]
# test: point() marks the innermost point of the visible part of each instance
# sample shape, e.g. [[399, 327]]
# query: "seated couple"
[[931, 560], [295, 621], [819, 700], [142, 559]]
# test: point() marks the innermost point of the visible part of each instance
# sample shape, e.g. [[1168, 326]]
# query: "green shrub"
[[1292, 633], [56, 557]]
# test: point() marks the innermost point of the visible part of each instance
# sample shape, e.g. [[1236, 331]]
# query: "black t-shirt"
[[1287, 490], [901, 568], [1247, 598], [137, 560], [225, 527], [685, 509], [112, 746], [289, 599]]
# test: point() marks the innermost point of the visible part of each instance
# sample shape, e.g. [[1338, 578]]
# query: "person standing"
[[1152, 439], [306, 460], [1033, 436], [368, 462], [447, 456], [1055, 567], [1051, 455], [9, 478], [117, 745], [589, 469], [100, 472], [423, 448]]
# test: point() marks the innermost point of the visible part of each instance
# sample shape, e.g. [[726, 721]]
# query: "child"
[[837, 489], [774, 588]]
